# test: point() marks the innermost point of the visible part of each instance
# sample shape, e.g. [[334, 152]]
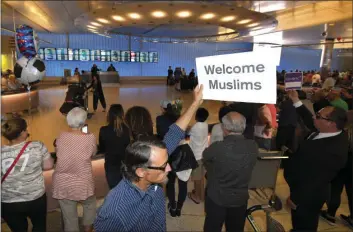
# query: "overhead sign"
[[240, 77], [293, 80]]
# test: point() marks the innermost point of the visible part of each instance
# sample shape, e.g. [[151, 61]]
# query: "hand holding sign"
[[293, 95], [198, 94]]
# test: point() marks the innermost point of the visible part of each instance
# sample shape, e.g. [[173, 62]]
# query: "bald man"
[[229, 164]]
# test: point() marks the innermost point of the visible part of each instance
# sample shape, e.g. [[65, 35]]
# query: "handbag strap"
[[15, 162]]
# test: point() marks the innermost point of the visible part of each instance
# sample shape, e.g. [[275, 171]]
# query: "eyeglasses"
[[318, 116], [161, 168]]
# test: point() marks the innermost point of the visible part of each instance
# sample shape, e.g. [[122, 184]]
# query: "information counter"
[[100, 182], [19, 101], [106, 77]]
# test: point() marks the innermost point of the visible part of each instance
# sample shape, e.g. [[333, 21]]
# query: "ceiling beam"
[[6, 4]]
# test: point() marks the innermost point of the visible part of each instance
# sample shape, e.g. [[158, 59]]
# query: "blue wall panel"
[[299, 58], [182, 55]]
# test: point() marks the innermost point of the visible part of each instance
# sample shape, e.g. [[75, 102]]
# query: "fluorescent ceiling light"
[[253, 25], [244, 21], [183, 14], [103, 20], [90, 26], [96, 24], [158, 14], [134, 15], [228, 18], [118, 18], [207, 16]]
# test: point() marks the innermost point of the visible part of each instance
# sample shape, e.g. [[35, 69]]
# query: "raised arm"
[[176, 132], [302, 111]]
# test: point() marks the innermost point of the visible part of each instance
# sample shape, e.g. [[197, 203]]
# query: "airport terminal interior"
[[145, 53]]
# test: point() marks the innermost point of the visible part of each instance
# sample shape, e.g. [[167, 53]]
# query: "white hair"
[[234, 125], [76, 118]]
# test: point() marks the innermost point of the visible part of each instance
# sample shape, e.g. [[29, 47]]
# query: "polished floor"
[[47, 122]]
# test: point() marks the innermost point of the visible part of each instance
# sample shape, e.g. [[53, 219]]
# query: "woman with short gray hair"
[[73, 178]]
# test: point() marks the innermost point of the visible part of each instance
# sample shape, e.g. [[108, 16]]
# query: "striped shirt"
[[73, 176], [128, 208]]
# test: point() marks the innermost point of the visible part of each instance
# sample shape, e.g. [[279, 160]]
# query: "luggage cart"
[[264, 175]]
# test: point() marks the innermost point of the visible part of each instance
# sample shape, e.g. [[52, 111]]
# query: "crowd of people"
[[180, 79], [137, 162]]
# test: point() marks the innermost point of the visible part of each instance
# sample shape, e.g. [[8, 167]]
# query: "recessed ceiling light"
[[332, 24], [253, 25], [183, 14], [207, 16], [185, 42], [134, 15], [103, 20], [155, 41], [158, 14], [175, 42], [244, 21], [256, 28], [96, 24], [118, 18], [90, 26], [228, 18], [349, 29]]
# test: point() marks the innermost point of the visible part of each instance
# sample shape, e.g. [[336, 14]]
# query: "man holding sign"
[[242, 77]]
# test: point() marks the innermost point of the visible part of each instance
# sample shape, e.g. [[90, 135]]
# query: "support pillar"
[[326, 57]]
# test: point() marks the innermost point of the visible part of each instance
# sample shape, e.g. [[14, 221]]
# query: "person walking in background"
[[94, 70], [113, 140], [170, 74], [97, 92], [22, 182], [73, 178], [229, 164], [198, 143]]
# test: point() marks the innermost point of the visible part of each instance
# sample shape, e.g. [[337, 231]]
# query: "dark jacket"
[[229, 164], [97, 86], [311, 168], [163, 123], [113, 146], [111, 69]]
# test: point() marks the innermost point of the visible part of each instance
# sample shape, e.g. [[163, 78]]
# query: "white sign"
[[240, 77], [271, 52]]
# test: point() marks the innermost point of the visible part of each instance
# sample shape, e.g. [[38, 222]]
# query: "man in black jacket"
[[317, 161], [229, 164]]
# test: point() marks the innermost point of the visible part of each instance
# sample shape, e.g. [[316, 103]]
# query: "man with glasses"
[[314, 165], [137, 203]]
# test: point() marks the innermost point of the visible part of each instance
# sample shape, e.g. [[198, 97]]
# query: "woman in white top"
[[217, 130], [198, 143], [22, 186]]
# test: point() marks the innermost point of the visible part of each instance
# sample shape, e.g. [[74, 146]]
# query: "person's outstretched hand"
[[198, 94], [293, 95]]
